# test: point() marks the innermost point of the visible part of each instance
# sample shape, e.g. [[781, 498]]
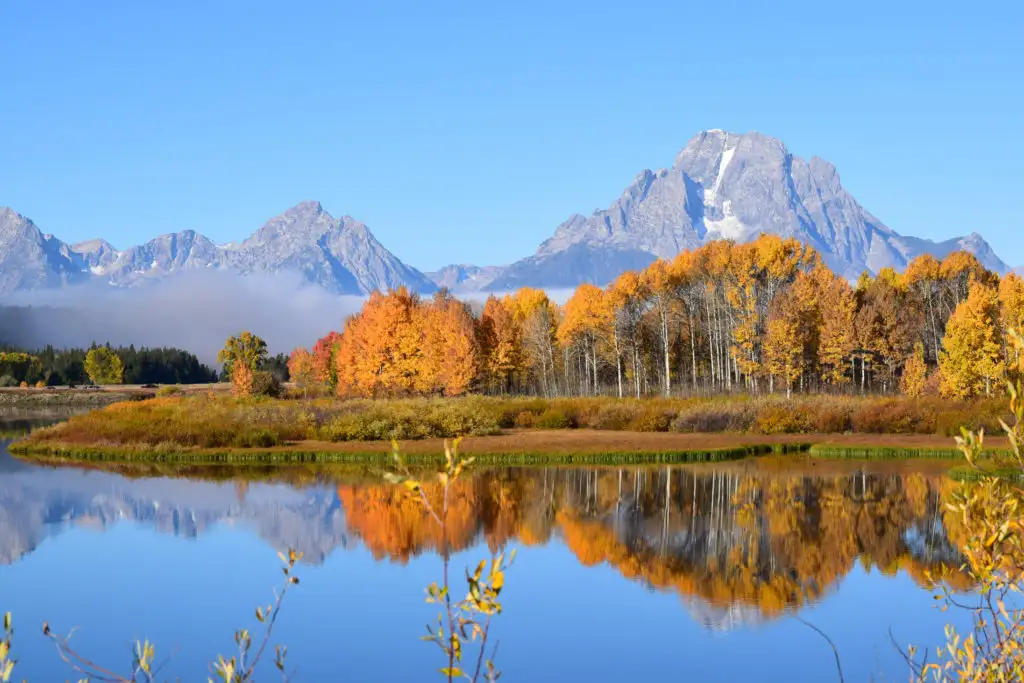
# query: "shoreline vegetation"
[[46, 397], [204, 428]]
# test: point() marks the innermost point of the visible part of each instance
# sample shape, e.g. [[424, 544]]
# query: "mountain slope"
[[726, 185], [31, 260], [341, 255]]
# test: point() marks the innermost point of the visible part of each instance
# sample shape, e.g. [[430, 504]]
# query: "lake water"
[[684, 573]]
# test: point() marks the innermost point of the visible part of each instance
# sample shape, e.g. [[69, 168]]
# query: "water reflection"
[[738, 545]]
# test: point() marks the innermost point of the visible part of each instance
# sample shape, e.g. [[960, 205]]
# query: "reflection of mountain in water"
[[737, 546], [36, 502]]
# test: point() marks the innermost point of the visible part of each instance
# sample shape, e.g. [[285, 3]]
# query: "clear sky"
[[465, 132]]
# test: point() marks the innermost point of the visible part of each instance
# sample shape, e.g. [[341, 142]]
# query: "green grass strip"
[[836, 452], [383, 456]]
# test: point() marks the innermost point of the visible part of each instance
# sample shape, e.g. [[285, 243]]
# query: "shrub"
[[168, 391], [8, 381], [553, 418], [651, 419], [24, 384], [40, 384], [265, 384], [615, 416], [526, 419], [828, 416], [780, 419]]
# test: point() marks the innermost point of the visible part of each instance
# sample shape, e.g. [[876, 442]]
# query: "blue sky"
[[465, 132]]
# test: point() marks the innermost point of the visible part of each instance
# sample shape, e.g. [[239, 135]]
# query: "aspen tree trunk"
[[693, 351], [618, 360], [711, 344], [664, 344]]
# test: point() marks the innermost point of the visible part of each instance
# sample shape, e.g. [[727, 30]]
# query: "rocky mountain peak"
[[725, 185]]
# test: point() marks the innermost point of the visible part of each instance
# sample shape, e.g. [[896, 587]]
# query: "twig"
[[835, 651]]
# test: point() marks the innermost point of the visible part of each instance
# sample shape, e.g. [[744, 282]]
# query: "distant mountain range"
[[722, 185]]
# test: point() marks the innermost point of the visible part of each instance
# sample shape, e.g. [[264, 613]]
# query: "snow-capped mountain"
[[721, 185], [726, 185]]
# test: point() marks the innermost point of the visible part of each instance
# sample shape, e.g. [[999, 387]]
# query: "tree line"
[[50, 366], [766, 316]]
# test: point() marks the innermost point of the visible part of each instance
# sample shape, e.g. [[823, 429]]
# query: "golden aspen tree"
[[585, 317], [625, 298], [450, 355], [837, 338], [915, 373], [743, 296], [1011, 306], [958, 270], [301, 369], [887, 324], [972, 358], [923, 277], [500, 340], [242, 380], [790, 331], [379, 353], [537, 318], [661, 282]]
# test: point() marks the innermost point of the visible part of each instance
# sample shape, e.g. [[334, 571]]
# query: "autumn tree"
[[302, 369], [837, 339], [626, 300], [325, 367], [379, 352], [450, 355], [537, 318], [661, 282], [585, 319], [915, 373], [500, 341], [242, 380], [104, 366], [887, 324], [245, 348], [972, 353], [790, 333]]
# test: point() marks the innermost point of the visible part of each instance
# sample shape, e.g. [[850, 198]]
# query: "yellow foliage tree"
[[242, 380], [104, 366], [784, 342], [450, 354], [246, 348], [302, 369], [972, 351], [915, 373], [500, 340], [836, 336]]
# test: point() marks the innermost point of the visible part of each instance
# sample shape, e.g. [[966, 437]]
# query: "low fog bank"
[[195, 311]]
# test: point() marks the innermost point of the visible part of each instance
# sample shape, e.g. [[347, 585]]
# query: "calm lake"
[[683, 573]]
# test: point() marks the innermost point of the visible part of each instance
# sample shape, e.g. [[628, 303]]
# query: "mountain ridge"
[[727, 186], [721, 185]]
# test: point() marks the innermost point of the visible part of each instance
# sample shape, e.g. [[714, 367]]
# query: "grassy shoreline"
[[205, 428]]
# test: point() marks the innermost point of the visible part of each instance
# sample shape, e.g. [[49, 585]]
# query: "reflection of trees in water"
[[747, 546]]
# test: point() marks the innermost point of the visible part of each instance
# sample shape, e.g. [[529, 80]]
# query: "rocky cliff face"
[[727, 186], [31, 260], [721, 186], [341, 255]]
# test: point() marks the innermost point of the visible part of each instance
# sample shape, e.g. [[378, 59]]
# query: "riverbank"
[[208, 428], [518, 447], [62, 397]]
